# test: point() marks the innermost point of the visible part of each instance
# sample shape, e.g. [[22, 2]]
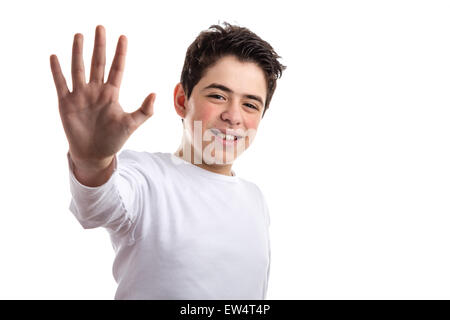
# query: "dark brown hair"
[[217, 42]]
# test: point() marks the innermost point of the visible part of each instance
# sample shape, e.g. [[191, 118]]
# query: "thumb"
[[145, 111]]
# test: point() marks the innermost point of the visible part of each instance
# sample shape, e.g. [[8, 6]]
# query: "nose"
[[232, 114]]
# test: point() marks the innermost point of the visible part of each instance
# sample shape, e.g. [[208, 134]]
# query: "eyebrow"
[[226, 89]]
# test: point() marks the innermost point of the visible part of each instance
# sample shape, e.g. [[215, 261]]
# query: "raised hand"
[[95, 124]]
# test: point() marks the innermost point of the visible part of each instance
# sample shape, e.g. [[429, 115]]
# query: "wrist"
[[92, 173], [93, 165]]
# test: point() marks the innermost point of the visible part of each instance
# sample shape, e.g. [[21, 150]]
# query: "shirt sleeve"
[[113, 205]]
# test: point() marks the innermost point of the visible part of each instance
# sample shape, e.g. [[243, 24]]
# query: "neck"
[[224, 169]]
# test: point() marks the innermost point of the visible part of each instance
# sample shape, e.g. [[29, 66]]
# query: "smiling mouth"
[[225, 137]]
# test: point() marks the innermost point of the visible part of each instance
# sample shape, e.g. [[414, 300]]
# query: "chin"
[[221, 158]]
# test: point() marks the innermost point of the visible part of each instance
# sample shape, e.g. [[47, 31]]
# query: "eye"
[[251, 106], [217, 96]]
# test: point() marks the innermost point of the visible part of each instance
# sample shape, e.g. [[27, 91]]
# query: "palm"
[[94, 122]]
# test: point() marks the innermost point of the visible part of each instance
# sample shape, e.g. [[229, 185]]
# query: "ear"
[[180, 100]]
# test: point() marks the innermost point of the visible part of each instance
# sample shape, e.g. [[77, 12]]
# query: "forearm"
[[102, 205]]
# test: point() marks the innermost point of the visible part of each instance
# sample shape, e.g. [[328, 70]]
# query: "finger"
[[58, 77], [98, 56], [145, 111], [78, 77], [118, 64]]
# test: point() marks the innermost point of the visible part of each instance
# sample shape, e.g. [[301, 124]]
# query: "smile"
[[226, 138]]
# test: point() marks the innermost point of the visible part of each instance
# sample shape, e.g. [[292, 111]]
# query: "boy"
[[183, 225]]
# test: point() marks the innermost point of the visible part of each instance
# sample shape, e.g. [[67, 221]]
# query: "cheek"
[[202, 114], [206, 113], [252, 123]]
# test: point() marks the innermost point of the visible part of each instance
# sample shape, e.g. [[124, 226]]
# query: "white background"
[[353, 155]]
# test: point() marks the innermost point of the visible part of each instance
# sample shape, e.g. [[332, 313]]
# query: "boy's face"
[[228, 99]]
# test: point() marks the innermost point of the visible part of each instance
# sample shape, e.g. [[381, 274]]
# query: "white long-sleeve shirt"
[[178, 231]]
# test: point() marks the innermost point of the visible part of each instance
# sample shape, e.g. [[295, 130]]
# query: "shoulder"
[[143, 157], [133, 155], [261, 198], [253, 188], [153, 163], [251, 185]]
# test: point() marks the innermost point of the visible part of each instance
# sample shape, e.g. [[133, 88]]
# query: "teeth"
[[226, 136]]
